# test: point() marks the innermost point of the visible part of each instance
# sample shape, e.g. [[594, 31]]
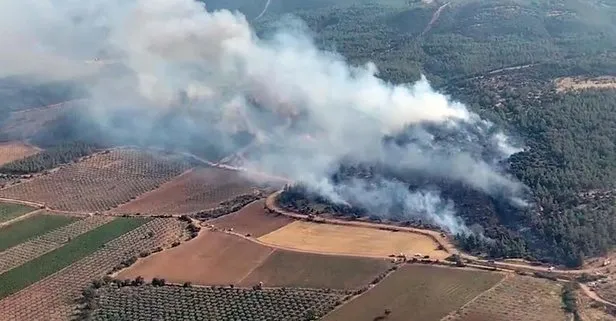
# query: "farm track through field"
[[595, 296], [443, 241], [24, 252], [20, 218], [53, 298]]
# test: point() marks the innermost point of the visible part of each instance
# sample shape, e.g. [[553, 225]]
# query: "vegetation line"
[[54, 261], [31, 227]]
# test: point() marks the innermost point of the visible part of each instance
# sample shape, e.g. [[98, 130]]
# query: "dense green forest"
[[501, 58]]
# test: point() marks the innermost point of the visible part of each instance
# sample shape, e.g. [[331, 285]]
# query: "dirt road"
[[435, 17], [593, 295]]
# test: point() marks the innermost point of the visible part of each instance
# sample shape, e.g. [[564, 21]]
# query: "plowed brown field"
[[192, 192], [15, 150], [417, 293], [288, 268], [216, 258], [253, 220], [210, 258]]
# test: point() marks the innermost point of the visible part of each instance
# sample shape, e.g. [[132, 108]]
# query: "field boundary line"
[[451, 315], [21, 217], [258, 265], [284, 248], [48, 238], [140, 196], [21, 202], [355, 296]]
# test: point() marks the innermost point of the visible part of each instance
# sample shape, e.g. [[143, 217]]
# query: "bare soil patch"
[[582, 83], [352, 240], [253, 220], [295, 269], [198, 190], [212, 258], [417, 293], [12, 151]]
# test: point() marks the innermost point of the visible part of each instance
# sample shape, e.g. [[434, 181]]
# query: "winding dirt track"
[[442, 240]]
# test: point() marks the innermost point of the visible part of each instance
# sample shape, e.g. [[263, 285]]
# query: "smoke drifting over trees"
[[171, 69]]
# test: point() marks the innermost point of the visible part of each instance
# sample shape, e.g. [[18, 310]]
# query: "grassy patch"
[[80, 247], [10, 211], [30, 227]]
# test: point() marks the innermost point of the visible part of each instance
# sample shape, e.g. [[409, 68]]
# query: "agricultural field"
[[252, 220], [192, 192], [287, 268], [417, 293], [607, 290], [516, 298], [53, 297], [101, 182], [210, 258], [76, 249], [33, 248], [30, 227], [15, 150], [149, 302], [10, 211], [23, 124], [585, 83], [351, 240]]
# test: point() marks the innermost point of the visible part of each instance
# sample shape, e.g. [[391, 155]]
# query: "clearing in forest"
[[296, 269], [15, 150], [252, 219], [516, 298], [192, 192], [417, 293], [582, 83], [33, 226], [101, 182], [210, 258], [352, 240], [9, 211], [51, 262]]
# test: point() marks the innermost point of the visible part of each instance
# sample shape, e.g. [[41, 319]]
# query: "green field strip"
[[31, 227], [10, 211], [80, 247]]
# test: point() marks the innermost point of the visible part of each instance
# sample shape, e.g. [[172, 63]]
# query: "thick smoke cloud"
[[308, 109]]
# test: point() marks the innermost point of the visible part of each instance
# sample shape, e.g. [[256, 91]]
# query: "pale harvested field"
[[213, 258], [351, 240], [12, 151], [198, 190], [570, 83]]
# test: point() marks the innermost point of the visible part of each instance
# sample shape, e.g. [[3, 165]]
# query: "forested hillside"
[[503, 58]]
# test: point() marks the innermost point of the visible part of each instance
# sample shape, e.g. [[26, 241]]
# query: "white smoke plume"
[[312, 106]]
